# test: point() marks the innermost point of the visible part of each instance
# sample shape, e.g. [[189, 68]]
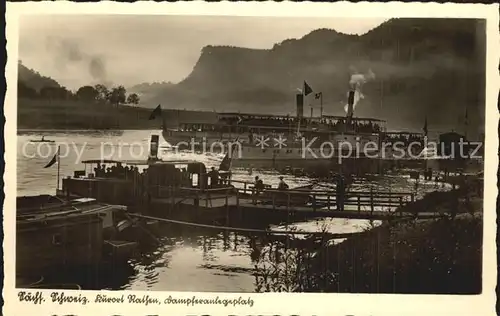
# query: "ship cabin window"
[[194, 180]]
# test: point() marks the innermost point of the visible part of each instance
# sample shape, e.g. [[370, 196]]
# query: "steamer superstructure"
[[279, 141]]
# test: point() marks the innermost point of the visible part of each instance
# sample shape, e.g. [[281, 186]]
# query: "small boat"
[[53, 233], [42, 140]]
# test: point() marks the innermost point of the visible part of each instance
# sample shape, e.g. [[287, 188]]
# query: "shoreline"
[[409, 256]]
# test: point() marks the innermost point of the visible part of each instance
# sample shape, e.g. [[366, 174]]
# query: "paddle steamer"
[[357, 145]]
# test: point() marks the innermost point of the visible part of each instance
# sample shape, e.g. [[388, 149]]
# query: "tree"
[[133, 99], [24, 91], [117, 95], [87, 93], [103, 92]]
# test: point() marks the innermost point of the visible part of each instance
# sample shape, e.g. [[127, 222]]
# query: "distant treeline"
[[76, 114], [98, 93]]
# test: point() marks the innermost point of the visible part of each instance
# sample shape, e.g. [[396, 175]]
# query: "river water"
[[189, 259]]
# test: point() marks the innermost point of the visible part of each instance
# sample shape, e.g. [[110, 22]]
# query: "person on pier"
[[340, 191], [282, 185], [258, 188]]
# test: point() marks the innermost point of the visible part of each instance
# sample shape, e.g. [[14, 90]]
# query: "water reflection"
[[188, 259]]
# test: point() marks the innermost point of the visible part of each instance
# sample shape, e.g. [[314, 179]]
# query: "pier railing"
[[326, 199], [367, 200]]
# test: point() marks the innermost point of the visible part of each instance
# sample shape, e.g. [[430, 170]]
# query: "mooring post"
[[227, 209], [288, 207], [237, 199], [328, 200], [274, 200], [172, 195], [372, 208], [359, 203], [288, 212]]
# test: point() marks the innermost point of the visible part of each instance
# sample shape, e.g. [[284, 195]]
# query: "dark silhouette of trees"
[[117, 95], [23, 91], [133, 99], [54, 93], [87, 93], [98, 93], [103, 92]]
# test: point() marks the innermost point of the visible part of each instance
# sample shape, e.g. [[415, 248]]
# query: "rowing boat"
[[41, 141]]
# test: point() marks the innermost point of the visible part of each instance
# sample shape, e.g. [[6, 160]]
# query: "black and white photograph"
[[249, 154]]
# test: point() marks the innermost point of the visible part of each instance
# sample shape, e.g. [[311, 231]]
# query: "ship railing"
[[177, 194], [187, 192]]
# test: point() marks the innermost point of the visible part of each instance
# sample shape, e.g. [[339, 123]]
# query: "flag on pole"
[[227, 161], [156, 112], [425, 127], [307, 89], [318, 95], [53, 160], [225, 164]]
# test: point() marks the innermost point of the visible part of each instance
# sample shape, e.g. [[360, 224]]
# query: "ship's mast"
[[300, 109]]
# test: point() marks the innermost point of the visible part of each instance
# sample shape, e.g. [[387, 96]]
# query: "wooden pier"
[[242, 204], [235, 201]]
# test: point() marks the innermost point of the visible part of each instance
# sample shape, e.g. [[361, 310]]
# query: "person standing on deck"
[[282, 185], [340, 191]]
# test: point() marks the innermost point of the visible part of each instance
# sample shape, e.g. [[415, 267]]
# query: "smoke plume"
[[356, 82], [68, 52]]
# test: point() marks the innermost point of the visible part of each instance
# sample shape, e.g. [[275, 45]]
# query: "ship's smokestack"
[[354, 96], [300, 105], [350, 105]]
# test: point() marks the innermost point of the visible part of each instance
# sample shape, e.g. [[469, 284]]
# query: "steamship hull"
[[317, 160], [208, 141]]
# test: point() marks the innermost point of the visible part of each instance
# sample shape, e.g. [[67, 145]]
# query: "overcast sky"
[[121, 49]]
